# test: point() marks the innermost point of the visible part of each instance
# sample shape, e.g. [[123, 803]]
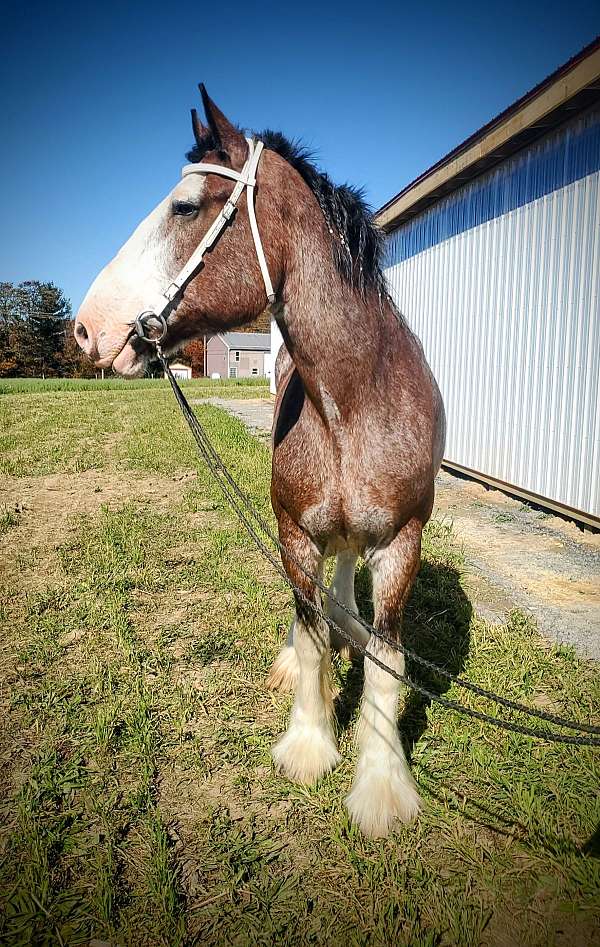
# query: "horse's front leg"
[[384, 789], [307, 749]]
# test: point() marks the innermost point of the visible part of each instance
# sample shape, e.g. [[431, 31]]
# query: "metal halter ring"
[[152, 322]]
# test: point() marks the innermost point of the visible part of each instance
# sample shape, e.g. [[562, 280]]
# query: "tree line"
[[36, 333]]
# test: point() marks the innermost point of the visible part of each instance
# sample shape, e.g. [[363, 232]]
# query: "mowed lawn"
[[139, 801]]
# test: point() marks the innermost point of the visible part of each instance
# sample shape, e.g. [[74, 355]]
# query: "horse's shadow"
[[436, 626]]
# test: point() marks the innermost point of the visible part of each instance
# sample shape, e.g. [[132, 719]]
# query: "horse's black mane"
[[357, 242]]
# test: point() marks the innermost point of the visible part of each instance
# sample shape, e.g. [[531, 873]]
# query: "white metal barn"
[[493, 257]]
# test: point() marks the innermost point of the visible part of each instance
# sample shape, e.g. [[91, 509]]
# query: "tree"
[[193, 353], [262, 323], [48, 322], [35, 319]]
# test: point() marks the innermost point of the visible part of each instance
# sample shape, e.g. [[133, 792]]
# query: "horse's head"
[[228, 289]]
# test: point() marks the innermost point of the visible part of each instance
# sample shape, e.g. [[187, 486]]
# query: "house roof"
[[573, 87], [247, 341]]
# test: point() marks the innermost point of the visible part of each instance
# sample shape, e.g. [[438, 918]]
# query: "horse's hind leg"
[[342, 588], [307, 749], [383, 788]]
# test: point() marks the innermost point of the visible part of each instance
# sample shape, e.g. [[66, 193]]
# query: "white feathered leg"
[[307, 749], [384, 789], [283, 676]]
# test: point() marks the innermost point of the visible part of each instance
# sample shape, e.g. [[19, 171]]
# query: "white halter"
[[246, 178]]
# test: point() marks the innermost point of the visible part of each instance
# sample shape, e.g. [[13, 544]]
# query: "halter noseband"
[[153, 320]]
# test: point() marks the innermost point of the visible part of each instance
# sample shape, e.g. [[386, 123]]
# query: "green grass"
[[73, 432], [8, 518], [140, 805], [25, 386]]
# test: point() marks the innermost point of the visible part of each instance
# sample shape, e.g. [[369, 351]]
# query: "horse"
[[359, 425]]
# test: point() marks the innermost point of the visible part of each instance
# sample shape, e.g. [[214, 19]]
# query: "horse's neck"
[[332, 333]]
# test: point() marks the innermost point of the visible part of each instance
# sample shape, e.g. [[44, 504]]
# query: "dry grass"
[[139, 801]]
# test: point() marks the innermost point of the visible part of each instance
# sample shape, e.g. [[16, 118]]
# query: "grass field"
[[139, 802], [13, 386]]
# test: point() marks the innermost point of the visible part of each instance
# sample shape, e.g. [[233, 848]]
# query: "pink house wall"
[[216, 357]]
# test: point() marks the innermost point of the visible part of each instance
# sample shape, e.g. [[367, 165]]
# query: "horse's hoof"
[[305, 753], [381, 797]]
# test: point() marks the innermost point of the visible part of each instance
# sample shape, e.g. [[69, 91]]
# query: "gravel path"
[[518, 557]]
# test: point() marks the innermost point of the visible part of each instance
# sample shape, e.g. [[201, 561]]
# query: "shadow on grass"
[[592, 846], [436, 626]]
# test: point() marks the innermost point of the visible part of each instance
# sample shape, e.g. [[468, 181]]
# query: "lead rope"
[[232, 492]]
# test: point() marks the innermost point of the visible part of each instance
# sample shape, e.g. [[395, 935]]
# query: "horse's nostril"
[[81, 330]]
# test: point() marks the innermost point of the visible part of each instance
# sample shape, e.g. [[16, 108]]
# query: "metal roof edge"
[[512, 129]]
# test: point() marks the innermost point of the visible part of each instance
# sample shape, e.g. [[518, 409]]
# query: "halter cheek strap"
[[153, 320]]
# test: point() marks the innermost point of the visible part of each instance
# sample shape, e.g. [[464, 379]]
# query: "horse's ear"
[[227, 137], [201, 132]]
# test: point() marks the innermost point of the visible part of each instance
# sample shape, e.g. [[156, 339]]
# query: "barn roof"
[[573, 87], [247, 341]]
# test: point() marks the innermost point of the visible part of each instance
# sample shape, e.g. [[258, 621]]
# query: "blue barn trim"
[[559, 159]]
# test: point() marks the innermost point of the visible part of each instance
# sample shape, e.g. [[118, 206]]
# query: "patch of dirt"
[[519, 558], [48, 506]]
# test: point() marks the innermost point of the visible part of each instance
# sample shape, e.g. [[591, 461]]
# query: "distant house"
[[180, 370], [239, 355]]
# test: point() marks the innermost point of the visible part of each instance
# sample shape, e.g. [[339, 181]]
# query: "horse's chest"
[[331, 498], [335, 525]]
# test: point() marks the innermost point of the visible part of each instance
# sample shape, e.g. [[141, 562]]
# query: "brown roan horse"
[[359, 424]]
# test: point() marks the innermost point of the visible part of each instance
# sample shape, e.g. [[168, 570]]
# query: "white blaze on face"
[[134, 280]]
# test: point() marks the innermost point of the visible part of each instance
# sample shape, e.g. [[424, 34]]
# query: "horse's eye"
[[184, 209]]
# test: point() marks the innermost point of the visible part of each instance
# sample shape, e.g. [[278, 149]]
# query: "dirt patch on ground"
[[47, 507], [45, 512], [522, 558]]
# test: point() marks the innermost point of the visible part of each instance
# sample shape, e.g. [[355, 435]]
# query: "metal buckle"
[[171, 291], [153, 323]]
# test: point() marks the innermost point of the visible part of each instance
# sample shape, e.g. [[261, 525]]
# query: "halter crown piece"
[[151, 324]]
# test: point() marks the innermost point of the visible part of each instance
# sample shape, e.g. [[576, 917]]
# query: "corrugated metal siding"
[[509, 315], [556, 160]]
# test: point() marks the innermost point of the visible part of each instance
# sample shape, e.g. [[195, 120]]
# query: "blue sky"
[[95, 100]]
